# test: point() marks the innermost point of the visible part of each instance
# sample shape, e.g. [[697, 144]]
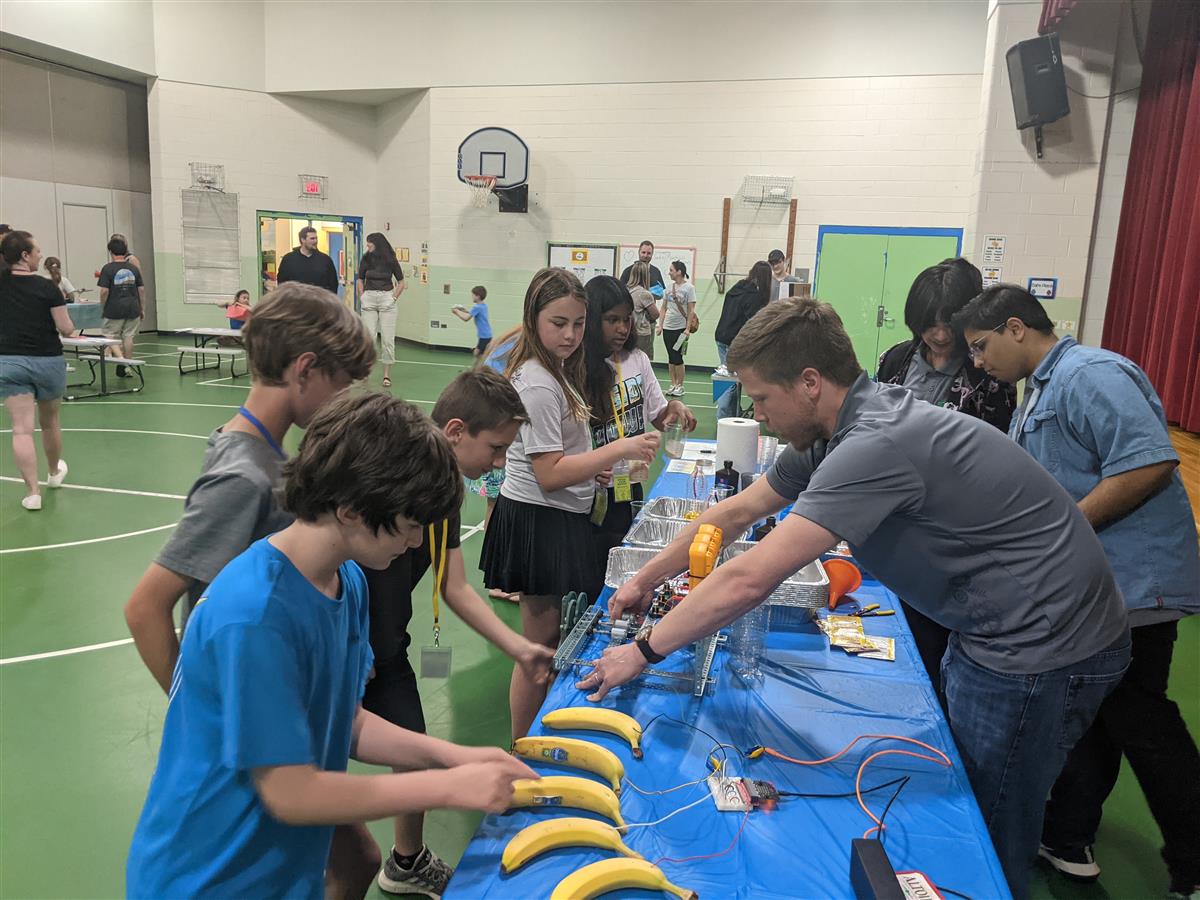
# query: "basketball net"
[[481, 187]]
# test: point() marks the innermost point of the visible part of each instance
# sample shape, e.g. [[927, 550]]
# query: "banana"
[[615, 874], [570, 791], [595, 718], [564, 751], [554, 833]]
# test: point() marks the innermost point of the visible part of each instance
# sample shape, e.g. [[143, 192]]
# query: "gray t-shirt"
[[231, 505], [930, 384], [550, 428], [677, 305], [979, 538]]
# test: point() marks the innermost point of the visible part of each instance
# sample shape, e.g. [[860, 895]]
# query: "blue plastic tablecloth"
[[811, 702]]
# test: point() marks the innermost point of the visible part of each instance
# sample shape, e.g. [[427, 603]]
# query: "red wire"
[[663, 859]]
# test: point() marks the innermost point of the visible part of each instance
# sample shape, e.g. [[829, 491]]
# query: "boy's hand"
[[488, 786], [535, 660]]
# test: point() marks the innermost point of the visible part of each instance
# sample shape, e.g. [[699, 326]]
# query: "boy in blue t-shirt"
[[265, 706], [478, 312]]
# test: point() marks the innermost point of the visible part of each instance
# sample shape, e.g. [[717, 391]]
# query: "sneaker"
[[55, 480], [1076, 863], [120, 371], [32, 502], [429, 875]]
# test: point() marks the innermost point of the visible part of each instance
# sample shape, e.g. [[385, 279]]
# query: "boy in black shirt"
[[123, 294]]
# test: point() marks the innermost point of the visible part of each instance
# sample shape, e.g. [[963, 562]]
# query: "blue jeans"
[[1014, 732], [727, 406]]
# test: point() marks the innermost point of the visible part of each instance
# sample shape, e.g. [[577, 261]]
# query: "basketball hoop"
[[481, 187]]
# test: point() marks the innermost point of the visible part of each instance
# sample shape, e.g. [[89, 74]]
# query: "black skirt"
[[540, 550]]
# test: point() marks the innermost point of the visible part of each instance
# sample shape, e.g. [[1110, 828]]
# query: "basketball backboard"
[[497, 152]]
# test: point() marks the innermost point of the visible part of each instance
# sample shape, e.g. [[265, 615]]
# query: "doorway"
[[865, 274], [338, 236]]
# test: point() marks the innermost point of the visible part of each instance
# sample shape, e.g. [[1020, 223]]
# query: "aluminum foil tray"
[[624, 563], [655, 533], [807, 589], [672, 507]]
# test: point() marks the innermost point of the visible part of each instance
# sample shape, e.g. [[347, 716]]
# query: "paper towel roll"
[[737, 440]]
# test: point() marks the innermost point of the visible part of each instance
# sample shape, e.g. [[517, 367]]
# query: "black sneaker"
[[1182, 890], [1076, 863], [121, 372], [429, 875]]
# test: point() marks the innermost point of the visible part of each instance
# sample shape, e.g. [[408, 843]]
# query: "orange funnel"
[[844, 578]]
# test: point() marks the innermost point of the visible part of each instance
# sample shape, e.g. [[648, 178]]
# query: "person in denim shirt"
[[1092, 418]]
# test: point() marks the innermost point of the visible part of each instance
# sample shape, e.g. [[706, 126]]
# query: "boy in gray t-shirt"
[[946, 512], [304, 347]]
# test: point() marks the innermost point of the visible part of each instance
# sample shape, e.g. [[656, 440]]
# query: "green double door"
[[865, 275]]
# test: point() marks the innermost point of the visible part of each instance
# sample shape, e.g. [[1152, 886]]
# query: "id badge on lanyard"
[[622, 483], [435, 660]]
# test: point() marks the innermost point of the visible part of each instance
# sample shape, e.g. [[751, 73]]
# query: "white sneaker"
[[55, 480], [32, 502]]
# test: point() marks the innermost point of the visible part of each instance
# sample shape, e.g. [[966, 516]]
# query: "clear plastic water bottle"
[[746, 639]]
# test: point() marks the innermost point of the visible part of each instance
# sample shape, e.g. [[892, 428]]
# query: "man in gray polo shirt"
[[946, 512]]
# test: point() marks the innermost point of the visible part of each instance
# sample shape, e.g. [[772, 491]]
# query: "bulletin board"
[[585, 260], [663, 257]]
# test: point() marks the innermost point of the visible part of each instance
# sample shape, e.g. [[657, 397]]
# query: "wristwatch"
[[643, 643]]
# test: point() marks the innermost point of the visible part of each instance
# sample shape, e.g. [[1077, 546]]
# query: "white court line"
[[105, 490], [109, 403], [216, 382], [72, 651], [99, 540], [53, 654]]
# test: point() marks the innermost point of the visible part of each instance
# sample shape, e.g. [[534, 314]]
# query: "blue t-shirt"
[[483, 327], [270, 673], [498, 358]]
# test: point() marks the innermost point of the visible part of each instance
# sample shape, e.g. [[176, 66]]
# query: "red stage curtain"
[[1153, 314], [1053, 12]]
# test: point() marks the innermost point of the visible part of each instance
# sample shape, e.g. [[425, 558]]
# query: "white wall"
[[215, 43], [115, 37], [264, 142], [432, 44]]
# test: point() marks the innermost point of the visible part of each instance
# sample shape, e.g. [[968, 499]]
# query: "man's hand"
[[488, 786], [629, 596], [617, 666], [535, 660]]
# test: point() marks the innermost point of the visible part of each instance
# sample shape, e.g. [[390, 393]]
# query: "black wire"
[[878, 787], [946, 890], [696, 728], [882, 831], [1105, 96]]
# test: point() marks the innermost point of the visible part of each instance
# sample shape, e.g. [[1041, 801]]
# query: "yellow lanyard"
[[624, 402], [439, 573]]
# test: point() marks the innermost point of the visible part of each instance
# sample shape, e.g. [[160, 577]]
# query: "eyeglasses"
[[976, 347]]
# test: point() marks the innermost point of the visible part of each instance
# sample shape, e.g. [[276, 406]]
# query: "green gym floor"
[[80, 718]]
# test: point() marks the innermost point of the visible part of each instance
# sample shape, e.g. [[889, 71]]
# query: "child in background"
[[265, 709], [478, 312], [540, 542], [238, 309]]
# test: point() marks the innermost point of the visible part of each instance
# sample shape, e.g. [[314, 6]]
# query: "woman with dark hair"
[[379, 293], [623, 395], [679, 306], [33, 373], [937, 368]]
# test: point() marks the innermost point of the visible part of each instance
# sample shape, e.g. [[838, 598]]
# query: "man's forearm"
[[1118, 495]]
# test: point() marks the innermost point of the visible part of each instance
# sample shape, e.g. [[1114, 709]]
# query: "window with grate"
[[211, 265]]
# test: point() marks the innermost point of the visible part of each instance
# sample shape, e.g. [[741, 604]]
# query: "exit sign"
[[312, 186]]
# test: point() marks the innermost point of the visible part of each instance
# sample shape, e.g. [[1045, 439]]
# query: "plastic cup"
[[673, 440]]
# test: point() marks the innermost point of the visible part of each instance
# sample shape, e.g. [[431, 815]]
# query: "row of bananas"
[[628, 869]]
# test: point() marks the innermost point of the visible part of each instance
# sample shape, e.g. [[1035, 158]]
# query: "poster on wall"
[[993, 248], [991, 275], [585, 260], [662, 259]]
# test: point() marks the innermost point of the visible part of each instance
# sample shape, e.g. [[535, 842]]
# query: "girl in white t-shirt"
[[623, 395], [679, 305], [539, 539]]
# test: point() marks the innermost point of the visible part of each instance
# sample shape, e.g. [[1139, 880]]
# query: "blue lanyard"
[[262, 429]]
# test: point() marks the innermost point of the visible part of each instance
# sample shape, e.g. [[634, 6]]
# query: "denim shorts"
[[43, 376]]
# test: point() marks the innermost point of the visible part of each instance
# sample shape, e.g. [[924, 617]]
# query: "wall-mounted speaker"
[[1039, 88]]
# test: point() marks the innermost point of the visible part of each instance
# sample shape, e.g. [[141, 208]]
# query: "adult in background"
[[779, 274], [742, 301], [33, 373], [123, 294], [935, 367], [645, 312], [54, 270], [380, 284], [307, 264], [679, 306], [941, 508], [1092, 418], [645, 254]]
